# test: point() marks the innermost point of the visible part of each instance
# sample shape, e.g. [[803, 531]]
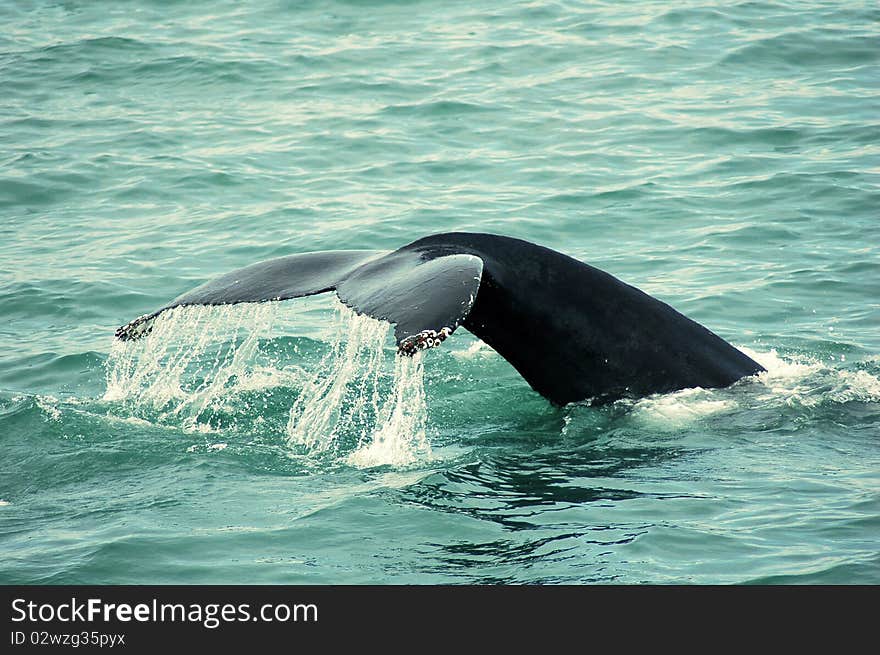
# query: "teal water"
[[724, 157]]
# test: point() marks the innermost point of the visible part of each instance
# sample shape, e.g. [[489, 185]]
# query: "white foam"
[[49, 405], [680, 408], [810, 381], [803, 381], [782, 373], [861, 385]]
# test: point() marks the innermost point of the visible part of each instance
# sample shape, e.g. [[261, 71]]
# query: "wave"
[[814, 48]]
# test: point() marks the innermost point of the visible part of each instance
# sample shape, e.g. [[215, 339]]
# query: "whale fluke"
[[294, 276], [572, 331]]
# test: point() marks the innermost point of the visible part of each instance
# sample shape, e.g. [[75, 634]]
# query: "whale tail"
[[572, 331], [425, 298]]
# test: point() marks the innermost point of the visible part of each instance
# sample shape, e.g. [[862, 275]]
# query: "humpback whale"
[[574, 332]]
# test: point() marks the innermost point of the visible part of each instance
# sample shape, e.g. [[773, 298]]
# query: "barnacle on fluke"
[[423, 340]]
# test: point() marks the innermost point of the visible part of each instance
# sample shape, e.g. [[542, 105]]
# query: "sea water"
[[723, 157]]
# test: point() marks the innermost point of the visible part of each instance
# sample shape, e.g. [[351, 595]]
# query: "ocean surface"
[[723, 157]]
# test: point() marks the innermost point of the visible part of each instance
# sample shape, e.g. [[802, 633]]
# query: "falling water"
[[359, 402], [349, 395], [190, 359]]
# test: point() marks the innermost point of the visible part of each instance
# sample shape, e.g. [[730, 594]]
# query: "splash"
[[400, 438], [348, 396], [189, 361], [199, 365], [803, 381], [792, 381], [810, 381]]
